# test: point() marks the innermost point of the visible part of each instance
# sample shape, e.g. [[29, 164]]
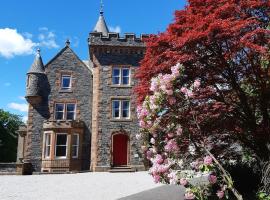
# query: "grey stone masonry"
[[42, 103], [106, 53], [67, 62], [113, 39]]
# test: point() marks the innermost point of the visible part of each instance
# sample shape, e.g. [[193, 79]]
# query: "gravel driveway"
[[86, 186]]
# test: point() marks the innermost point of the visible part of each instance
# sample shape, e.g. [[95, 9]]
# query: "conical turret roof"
[[101, 25], [37, 66]]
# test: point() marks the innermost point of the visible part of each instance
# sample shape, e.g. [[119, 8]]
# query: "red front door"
[[120, 152]]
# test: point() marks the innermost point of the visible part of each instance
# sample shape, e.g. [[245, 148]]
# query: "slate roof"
[[37, 66], [101, 25]]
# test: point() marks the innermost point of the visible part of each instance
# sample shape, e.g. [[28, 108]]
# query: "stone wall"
[[65, 61], [68, 63], [106, 53], [7, 168]]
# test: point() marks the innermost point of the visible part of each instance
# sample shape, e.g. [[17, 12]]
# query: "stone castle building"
[[82, 114]]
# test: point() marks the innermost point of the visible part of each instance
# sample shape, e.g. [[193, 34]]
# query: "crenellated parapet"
[[114, 39]]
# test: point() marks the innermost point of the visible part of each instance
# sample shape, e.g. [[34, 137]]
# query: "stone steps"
[[121, 169]]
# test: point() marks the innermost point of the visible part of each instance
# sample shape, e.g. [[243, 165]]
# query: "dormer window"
[[121, 76], [66, 82]]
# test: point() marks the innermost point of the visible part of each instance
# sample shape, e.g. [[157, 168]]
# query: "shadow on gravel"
[[170, 192]]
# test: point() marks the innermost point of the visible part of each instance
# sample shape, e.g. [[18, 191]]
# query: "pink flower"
[[158, 159], [212, 179], [175, 70], [208, 160], [169, 92], [154, 85], [197, 83], [220, 194], [183, 182], [179, 131], [173, 177], [152, 140], [170, 135], [171, 146], [142, 124], [149, 154], [172, 101], [189, 93], [184, 90], [189, 195], [156, 178]]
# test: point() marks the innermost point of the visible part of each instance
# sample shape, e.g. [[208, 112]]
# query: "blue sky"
[[26, 25]]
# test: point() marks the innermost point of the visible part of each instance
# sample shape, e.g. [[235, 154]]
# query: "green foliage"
[[9, 124], [263, 196]]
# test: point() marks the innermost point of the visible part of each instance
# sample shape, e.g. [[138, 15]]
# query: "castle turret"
[[35, 80], [101, 26]]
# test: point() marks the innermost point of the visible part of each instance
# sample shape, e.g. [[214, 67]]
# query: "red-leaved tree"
[[225, 44]]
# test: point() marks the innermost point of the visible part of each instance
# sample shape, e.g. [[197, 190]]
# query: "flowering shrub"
[[168, 117]]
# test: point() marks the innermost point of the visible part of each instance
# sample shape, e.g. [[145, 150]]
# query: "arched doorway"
[[120, 149]]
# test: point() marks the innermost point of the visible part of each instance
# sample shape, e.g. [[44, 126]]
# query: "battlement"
[[114, 39]]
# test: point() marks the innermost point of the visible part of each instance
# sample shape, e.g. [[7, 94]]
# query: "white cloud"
[[13, 43], [22, 98], [47, 38], [7, 84], [22, 107], [27, 35], [116, 29]]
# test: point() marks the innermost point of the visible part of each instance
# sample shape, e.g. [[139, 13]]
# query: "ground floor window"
[[75, 146], [47, 150], [61, 145]]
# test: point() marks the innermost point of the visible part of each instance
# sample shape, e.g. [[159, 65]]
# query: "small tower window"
[[125, 109], [66, 82], [121, 109], [116, 76], [116, 109], [125, 76], [120, 76]]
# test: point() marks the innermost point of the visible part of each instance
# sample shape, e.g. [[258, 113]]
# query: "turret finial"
[[38, 51], [67, 42], [101, 7]]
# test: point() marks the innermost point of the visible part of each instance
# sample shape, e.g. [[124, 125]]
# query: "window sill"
[[65, 91], [60, 158], [120, 86], [121, 120]]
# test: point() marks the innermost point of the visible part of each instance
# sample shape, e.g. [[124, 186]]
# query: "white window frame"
[[115, 100], [70, 83], [46, 144], [77, 145], [65, 111], [75, 109], [121, 109], [116, 76], [121, 77], [55, 111], [55, 150]]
